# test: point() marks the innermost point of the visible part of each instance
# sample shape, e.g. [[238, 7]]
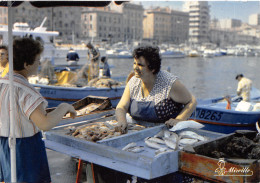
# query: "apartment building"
[[132, 20], [179, 26], [102, 24], [198, 21], [254, 19], [166, 25]]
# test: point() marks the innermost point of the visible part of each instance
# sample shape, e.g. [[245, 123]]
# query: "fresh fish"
[[257, 127], [186, 124], [136, 149], [187, 141], [156, 140], [170, 143], [192, 135], [160, 134], [151, 144], [161, 151], [174, 137], [167, 133], [158, 151], [111, 127], [132, 144]]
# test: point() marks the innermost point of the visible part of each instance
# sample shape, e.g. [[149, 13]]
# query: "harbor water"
[[204, 77]]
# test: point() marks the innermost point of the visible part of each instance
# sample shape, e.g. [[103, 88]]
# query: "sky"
[[218, 9]]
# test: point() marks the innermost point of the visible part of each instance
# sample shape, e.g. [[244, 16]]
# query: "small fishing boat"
[[58, 94], [172, 54], [214, 115]]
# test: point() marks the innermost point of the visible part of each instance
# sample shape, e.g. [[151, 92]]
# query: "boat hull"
[[56, 94], [225, 121]]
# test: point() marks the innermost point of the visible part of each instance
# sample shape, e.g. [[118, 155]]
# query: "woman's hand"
[[121, 127], [172, 122]]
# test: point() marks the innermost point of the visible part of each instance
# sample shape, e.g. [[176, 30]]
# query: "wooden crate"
[[194, 162]]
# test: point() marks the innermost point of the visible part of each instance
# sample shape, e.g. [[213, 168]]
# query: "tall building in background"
[[102, 24], [132, 14], [199, 19], [229, 23], [157, 24], [165, 25], [254, 19]]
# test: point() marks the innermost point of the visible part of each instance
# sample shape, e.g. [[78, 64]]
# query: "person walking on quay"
[[93, 55], [105, 70], [244, 87], [72, 57], [4, 65], [29, 115]]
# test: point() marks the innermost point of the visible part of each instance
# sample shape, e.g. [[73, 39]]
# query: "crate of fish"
[[95, 129], [147, 153], [87, 108], [232, 158]]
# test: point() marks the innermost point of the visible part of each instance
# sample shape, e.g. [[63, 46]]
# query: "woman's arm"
[[46, 121], [180, 94], [122, 109]]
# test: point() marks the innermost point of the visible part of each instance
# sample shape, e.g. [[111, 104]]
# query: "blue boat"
[[58, 94], [214, 115]]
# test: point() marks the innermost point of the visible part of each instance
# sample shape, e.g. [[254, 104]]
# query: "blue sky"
[[218, 9]]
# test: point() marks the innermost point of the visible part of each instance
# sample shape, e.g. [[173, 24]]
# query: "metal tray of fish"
[[147, 163]]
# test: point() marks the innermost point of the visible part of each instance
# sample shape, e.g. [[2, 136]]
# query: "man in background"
[[244, 87], [72, 57], [93, 55], [105, 70]]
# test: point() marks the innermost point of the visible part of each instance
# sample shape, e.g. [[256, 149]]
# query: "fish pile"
[[87, 109], [167, 141], [100, 130]]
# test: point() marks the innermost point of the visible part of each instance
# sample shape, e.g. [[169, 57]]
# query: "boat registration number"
[[207, 115], [46, 92]]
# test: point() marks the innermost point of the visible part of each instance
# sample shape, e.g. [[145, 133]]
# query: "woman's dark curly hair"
[[151, 55], [25, 50]]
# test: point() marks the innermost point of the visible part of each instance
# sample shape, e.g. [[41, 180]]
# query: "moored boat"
[[214, 115], [58, 94]]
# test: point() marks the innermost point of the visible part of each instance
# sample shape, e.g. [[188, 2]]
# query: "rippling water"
[[204, 77]]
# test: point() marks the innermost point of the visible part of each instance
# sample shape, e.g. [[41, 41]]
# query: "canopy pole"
[[12, 138]]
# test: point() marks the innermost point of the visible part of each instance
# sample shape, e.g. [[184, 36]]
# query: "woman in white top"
[[30, 117]]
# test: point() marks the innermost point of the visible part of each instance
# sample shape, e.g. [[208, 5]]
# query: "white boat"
[[51, 51], [21, 29], [208, 53]]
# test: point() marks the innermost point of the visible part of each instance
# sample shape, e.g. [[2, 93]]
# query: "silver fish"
[[186, 124], [174, 137], [132, 144], [192, 135], [158, 151], [170, 143], [160, 134], [187, 141], [151, 144], [161, 151], [167, 133], [136, 149], [156, 140]]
